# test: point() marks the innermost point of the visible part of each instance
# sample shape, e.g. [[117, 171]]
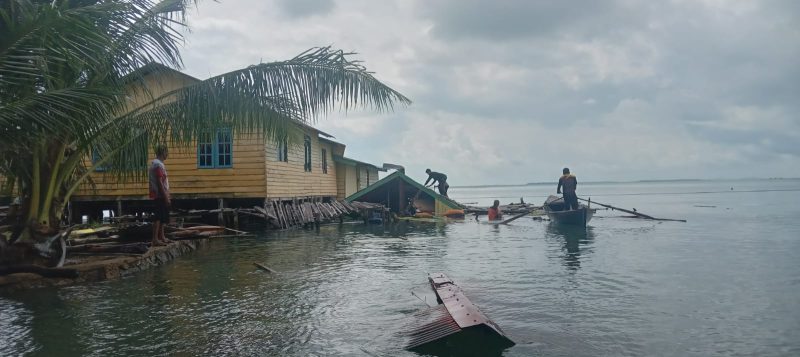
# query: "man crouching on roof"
[[437, 177]]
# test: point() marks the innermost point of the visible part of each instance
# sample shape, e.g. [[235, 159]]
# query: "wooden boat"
[[554, 207], [455, 326]]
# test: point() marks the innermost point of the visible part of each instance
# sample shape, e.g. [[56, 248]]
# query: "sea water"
[[725, 282]]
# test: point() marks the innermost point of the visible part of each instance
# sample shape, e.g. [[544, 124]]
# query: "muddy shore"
[[102, 267]]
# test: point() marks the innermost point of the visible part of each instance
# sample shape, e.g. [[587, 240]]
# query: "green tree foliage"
[[68, 68]]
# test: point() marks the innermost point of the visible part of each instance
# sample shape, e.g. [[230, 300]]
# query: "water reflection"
[[571, 237], [399, 229]]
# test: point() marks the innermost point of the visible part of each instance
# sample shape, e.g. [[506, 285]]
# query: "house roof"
[[397, 175], [155, 67], [352, 162], [336, 143], [315, 129]]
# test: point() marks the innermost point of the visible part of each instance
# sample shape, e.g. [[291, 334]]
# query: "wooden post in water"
[[401, 197], [221, 215], [70, 217]]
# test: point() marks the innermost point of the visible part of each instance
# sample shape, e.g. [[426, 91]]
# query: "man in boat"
[[437, 177], [494, 212], [159, 193], [570, 184]]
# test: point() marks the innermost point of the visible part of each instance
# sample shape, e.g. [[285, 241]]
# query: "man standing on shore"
[[159, 193], [570, 184], [437, 177]]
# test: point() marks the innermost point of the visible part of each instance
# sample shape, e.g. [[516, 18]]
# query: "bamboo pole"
[[515, 217], [632, 212]]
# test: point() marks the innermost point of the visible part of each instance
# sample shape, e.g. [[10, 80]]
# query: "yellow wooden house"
[[353, 175], [231, 169]]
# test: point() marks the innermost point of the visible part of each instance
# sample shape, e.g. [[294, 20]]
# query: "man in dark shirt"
[[437, 177], [570, 184]]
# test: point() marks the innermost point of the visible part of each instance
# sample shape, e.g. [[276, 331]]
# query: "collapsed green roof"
[[380, 192]]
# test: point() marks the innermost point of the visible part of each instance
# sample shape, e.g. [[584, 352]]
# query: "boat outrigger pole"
[[637, 214]]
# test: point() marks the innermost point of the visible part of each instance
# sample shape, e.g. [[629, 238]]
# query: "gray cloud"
[[661, 89], [513, 19], [304, 8]]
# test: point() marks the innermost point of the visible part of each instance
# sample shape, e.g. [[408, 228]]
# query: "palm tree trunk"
[[53, 188]]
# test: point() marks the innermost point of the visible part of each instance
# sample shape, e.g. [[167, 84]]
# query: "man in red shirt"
[[159, 193], [494, 211]]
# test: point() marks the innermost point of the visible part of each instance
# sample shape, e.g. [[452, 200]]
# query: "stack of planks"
[[296, 213]]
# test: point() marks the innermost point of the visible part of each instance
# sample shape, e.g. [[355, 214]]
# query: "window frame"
[[219, 155], [212, 158], [283, 150], [307, 161], [96, 156], [324, 161]]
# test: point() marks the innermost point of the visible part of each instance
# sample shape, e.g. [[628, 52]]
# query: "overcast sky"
[[513, 91]]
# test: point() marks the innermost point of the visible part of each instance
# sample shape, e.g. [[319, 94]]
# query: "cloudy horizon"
[[510, 92]]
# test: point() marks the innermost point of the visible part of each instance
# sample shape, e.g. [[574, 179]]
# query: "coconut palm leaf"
[[269, 99], [38, 36], [67, 68], [56, 111]]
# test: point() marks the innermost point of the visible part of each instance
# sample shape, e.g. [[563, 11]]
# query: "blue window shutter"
[[97, 157], [224, 147], [205, 150], [215, 149]]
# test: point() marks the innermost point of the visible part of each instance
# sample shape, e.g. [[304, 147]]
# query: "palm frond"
[[57, 112], [98, 36], [317, 81]]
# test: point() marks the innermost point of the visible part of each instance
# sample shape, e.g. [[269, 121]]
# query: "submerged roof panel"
[[397, 175]]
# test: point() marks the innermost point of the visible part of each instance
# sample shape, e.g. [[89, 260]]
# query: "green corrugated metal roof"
[[351, 162], [399, 175]]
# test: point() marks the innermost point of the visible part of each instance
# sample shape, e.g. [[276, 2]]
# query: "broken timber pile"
[[509, 209], [295, 213]]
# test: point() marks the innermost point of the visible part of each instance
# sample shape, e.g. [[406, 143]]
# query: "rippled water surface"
[[724, 283]]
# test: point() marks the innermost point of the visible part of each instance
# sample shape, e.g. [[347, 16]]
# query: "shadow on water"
[[571, 237], [479, 341], [401, 229]]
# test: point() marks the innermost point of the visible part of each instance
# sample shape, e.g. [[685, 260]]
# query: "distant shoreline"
[[636, 181]]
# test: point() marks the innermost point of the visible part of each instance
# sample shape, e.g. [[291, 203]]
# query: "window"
[[96, 156], [283, 152], [124, 160], [215, 150], [307, 151], [324, 161], [205, 151], [224, 148]]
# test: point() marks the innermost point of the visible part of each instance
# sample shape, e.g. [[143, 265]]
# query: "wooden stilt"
[[221, 215]]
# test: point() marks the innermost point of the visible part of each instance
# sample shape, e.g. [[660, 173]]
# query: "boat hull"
[[578, 217]]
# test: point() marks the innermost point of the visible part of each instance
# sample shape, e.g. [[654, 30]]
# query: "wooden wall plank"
[[289, 179]]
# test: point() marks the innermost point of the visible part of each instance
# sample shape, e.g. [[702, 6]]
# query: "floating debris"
[[456, 326], [265, 268]]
